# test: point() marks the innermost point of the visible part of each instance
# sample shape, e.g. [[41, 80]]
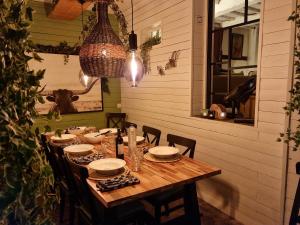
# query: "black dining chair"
[[92, 212], [50, 158], [65, 184], [115, 120], [150, 131], [166, 197], [295, 218], [128, 124]]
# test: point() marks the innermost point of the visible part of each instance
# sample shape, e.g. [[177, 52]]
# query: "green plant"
[[293, 105], [145, 50], [25, 176]]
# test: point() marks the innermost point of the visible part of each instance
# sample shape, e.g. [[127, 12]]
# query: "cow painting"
[[63, 98]]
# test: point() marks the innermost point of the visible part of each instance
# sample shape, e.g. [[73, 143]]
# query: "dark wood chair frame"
[[65, 184], [179, 193], [295, 218], [90, 211], [154, 132], [128, 124], [115, 120]]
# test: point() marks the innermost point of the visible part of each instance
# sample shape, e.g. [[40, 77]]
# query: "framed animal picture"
[[64, 92]]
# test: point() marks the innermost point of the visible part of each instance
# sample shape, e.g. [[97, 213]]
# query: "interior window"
[[233, 31]]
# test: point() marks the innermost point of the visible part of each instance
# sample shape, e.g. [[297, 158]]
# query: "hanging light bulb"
[[134, 69], [85, 80]]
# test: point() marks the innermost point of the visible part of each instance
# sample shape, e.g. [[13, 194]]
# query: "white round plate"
[[138, 139], [94, 138], [164, 151], [63, 138], [81, 149], [112, 131], [108, 166], [76, 130]]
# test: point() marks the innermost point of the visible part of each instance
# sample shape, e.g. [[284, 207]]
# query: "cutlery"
[[109, 131]]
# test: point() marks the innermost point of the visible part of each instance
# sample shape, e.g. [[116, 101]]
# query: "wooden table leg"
[[191, 206]]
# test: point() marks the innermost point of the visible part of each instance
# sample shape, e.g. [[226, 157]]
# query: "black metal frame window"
[[215, 63]]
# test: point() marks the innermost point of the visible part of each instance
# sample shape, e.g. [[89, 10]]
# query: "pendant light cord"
[[131, 15], [82, 16]]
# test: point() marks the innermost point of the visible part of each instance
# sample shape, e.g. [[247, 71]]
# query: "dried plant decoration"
[[172, 63]]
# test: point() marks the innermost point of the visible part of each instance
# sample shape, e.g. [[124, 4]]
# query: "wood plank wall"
[[251, 185], [49, 31]]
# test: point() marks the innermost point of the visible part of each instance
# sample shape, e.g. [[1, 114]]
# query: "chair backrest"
[[128, 124], [49, 156], [58, 154], [190, 144], [85, 198], [115, 120], [154, 132]]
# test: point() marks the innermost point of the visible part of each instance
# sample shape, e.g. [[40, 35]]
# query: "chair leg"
[[62, 206], [72, 210], [167, 210], [157, 213]]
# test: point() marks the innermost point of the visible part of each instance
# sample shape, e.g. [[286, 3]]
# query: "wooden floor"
[[209, 216]]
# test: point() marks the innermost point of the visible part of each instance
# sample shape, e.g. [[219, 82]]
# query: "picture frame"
[[237, 44], [62, 89]]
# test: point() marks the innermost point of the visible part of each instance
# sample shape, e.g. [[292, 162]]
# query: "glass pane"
[[254, 10], [228, 13], [244, 49]]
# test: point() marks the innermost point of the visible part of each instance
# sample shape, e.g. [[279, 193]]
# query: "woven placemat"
[[93, 175], [148, 156], [65, 144], [87, 158], [116, 183]]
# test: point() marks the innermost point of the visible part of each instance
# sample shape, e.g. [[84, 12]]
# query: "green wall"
[[51, 32]]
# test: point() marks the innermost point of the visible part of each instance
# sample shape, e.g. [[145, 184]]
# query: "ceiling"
[[229, 12]]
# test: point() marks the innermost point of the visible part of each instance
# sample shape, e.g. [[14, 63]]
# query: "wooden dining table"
[[156, 177]]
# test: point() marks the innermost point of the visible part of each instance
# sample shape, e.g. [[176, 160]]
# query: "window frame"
[[210, 31]]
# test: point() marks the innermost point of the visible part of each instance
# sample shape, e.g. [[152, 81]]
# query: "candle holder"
[[211, 115], [204, 113]]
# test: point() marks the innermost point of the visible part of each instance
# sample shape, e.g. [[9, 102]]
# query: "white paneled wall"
[[252, 162]]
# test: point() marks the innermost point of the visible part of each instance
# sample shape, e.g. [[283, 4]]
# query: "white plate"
[[63, 138], [112, 130], [81, 149], [94, 138], [76, 130], [164, 151], [138, 139], [108, 166]]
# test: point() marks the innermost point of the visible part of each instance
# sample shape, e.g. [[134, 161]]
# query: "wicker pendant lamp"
[[102, 53]]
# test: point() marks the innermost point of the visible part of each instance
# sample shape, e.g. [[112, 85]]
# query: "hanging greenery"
[[293, 105], [25, 176], [146, 48]]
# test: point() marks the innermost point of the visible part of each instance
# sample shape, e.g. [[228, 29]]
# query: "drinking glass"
[[136, 159]]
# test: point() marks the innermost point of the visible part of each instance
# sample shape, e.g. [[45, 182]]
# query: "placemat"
[[65, 144], [148, 156], [87, 158], [118, 182]]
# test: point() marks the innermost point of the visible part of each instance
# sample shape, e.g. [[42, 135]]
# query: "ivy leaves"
[[25, 176], [293, 105]]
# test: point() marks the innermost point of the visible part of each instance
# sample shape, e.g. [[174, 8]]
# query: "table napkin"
[[117, 182]]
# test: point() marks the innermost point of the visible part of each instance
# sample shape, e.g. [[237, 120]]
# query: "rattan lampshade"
[[102, 53]]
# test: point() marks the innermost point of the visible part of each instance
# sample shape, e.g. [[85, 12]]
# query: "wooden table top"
[[154, 178]]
